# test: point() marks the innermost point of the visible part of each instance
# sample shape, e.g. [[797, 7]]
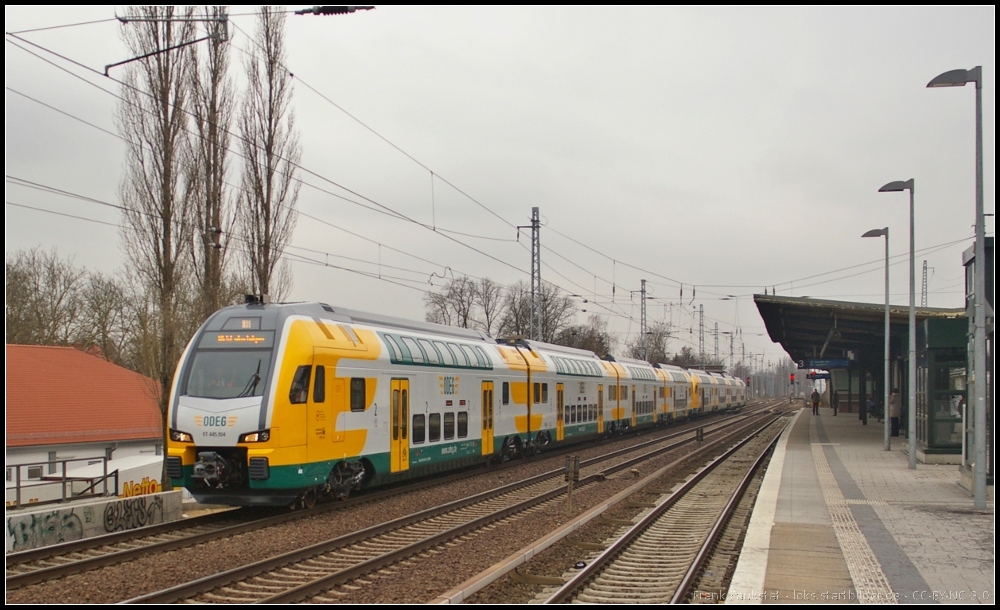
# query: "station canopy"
[[810, 328]]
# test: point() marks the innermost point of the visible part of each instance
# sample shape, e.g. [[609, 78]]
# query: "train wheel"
[[309, 499], [337, 481], [509, 450]]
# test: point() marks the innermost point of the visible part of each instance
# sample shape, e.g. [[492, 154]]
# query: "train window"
[[545, 392], [460, 358], [434, 427], [449, 426], [300, 385], [432, 357], [471, 355], [395, 415], [358, 394], [405, 410], [486, 364], [418, 429], [447, 357], [397, 354], [537, 392], [506, 393], [463, 424], [319, 387], [415, 354], [624, 392], [583, 387]]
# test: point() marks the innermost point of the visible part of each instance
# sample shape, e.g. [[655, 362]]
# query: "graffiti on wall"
[[42, 529], [132, 513]]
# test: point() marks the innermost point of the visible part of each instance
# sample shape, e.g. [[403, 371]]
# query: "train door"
[[600, 408], [633, 407], [487, 418], [399, 452], [560, 425], [321, 425]]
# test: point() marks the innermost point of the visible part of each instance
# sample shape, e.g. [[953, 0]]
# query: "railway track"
[[53, 563], [658, 559], [314, 573]]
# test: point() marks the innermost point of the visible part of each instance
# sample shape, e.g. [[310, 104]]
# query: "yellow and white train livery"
[[278, 403]]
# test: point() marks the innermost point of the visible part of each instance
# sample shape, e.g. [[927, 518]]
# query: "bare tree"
[[156, 190], [213, 102], [43, 302], [271, 153], [593, 336], [515, 321], [489, 298], [657, 336], [438, 309], [557, 311], [455, 305], [108, 318]]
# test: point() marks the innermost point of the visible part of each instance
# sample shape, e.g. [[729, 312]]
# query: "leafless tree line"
[[497, 310], [505, 312], [193, 242], [50, 301]]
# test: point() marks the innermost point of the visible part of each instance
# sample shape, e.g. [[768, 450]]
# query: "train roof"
[[550, 347], [274, 312]]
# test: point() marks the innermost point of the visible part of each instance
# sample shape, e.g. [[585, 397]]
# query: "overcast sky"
[[725, 149]]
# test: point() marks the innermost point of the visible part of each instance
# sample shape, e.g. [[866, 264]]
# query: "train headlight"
[[261, 436], [180, 437]]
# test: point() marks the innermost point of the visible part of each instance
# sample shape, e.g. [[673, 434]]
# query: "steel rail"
[[209, 583], [567, 590]]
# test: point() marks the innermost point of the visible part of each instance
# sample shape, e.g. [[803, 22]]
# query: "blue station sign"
[[824, 363]]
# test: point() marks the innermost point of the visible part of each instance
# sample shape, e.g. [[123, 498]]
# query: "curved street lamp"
[[911, 382], [959, 78], [885, 383]]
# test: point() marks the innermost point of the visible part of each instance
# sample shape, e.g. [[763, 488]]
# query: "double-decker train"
[[280, 404]]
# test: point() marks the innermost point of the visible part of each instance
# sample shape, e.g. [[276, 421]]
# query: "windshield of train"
[[230, 365]]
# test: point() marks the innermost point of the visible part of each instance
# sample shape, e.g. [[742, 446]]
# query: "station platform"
[[841, 520]]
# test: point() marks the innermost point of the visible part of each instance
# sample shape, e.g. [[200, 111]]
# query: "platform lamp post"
[[885, 399], [959, 78], [911, 420]]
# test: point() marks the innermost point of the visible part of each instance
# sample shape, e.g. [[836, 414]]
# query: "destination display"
[[237, 340]]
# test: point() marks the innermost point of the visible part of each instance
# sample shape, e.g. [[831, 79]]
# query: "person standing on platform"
[[895, 410], [815, 401], [835, 402]]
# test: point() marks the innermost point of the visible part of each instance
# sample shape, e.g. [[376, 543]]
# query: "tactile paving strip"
[[870, 581]]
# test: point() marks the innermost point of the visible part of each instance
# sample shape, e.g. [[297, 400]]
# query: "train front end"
[[220, 442]]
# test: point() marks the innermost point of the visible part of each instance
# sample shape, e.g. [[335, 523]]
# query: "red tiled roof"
[[59, 395]]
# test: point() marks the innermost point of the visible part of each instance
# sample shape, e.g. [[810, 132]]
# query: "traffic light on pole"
[[791, 379]]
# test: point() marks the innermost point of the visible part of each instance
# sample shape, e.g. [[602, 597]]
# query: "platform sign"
[[818, 375], [824, 363]]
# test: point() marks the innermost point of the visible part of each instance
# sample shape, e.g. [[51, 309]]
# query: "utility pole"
[[536, 278], [644, 344], [716, 341], [535, 315], [701, 334]]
